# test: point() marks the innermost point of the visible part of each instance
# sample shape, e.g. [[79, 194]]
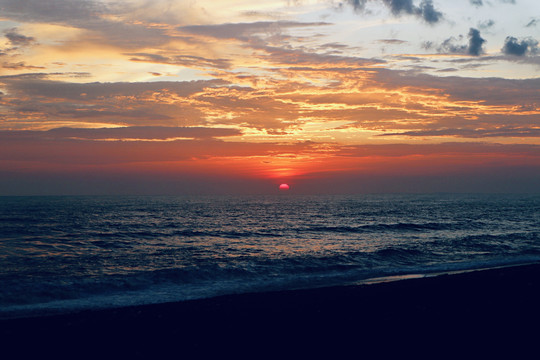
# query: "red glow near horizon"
[[284, 187]]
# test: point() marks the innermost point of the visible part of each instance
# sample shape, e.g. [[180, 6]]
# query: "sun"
[[284, 187]]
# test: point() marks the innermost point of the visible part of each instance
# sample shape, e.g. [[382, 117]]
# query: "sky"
[[237, 97]]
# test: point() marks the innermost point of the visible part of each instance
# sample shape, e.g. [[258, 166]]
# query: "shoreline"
[[497, 307], [419, 275], [56, 311]]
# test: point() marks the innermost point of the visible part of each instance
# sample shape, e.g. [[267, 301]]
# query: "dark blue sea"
[[62, 254]]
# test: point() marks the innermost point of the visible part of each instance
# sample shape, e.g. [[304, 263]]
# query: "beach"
[[491, 311]]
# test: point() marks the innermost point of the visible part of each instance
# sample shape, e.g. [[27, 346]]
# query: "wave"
[[184, 284], [87, 252], [392, 227]]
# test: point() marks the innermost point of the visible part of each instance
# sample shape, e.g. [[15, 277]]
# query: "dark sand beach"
[[466, 315]]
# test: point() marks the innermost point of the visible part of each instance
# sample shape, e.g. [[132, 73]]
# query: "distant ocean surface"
[[61, 254]]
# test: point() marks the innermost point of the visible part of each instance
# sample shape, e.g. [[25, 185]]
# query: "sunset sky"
[[236, 96]]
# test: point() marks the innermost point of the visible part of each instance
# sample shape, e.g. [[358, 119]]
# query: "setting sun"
[[208, 102]]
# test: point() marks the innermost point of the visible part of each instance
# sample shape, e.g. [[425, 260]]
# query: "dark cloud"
[[358, 5], [90, 15], [448, 46], [425, 10], [448, 70], [249, 33], [244, 31], [298, 57], [392, 150], [333, 47], [481, 2], [486, 24], [428, 12], [513, 46], [531, 60], [475, 42], [488, 91], [474, 47], [120, 133], [21, 65], [399, 7], [392, 41], [38, 85], [532, 23], [18, 146], [183, 60], [51, 10], [17, 39], [160, 103], [473, 133], [427, 45]]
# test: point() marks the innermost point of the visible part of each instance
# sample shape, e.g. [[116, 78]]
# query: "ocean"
[[70, 253]]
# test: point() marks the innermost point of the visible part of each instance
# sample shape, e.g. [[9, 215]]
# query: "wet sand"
[[465, 315]]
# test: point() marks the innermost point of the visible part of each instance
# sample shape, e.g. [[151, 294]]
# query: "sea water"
[[61, 254]]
